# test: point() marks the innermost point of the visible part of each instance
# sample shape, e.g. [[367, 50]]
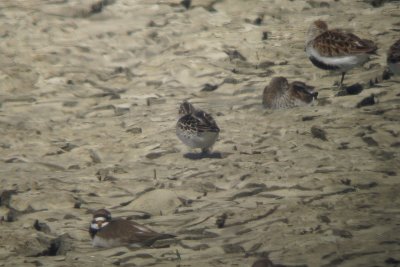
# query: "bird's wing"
[[127, 232], [198, 122], [336, 43]]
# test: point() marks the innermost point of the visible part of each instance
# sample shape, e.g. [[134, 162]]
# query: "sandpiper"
[[280, 94], [107, 232], [393, 58], [335, 49], [196, 128]]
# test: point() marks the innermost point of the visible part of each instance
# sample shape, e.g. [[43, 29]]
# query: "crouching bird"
[[107, 232]]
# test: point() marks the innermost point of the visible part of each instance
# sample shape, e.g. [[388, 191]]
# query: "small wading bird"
[[107, 232], [280, 94], [335, 49], [196, 128]]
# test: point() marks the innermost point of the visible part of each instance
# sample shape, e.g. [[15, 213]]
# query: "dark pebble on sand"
[[96, 7], [264, 36], [395, 144], [5, 197], [220, 222], [353, 89], [368, 101], [367, 186], [324, 218], [210, 87], [369, 141], [11, 216], [346, 181], [234, 54], [41, 227], [266, 64], [233, 248], [134, 130], [376, 3], [386, 74], [308, 118], [392, 261], [317, 4], [77, 205], [155, 101], [154, 155], [342, 233], [259, 20], [186, 3], [231, 80], [318, 133]]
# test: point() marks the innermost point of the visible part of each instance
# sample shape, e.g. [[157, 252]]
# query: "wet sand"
[[89, 96]]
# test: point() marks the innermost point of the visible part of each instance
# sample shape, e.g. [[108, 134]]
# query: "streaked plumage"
[[196, 128], [280, 94], [106, 232], [393, 58], [336, 49]]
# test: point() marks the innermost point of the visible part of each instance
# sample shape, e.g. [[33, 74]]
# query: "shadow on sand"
[[210, 155]]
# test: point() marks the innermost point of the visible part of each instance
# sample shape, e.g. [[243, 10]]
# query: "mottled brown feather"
[[129, 232], [198, 121], [320, 24], [302, 91], [276, 87], [282, 94], [186, 108], [335, 43]]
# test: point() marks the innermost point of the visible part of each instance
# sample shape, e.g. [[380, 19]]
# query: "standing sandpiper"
[[335, 49], [196, 128]]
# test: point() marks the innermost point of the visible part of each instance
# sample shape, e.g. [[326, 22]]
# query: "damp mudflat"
[[89, 98]]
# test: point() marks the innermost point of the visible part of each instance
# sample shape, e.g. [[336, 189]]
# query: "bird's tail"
[[149, 242]]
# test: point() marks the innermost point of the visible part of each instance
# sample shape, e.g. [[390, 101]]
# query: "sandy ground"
[[88, 104]]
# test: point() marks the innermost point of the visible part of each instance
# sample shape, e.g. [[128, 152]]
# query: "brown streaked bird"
[[280, 94], [393, 58], [107, 232], [196, 128], [335, 49]]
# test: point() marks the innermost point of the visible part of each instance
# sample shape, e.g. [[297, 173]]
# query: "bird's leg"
[[205, 151], [341, 81]]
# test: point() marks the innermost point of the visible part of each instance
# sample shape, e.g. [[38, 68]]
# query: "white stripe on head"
[[98, 226], [97, 219]]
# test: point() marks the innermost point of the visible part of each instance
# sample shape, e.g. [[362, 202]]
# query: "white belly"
[[197, 140], [344, 63], [105, 243]]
